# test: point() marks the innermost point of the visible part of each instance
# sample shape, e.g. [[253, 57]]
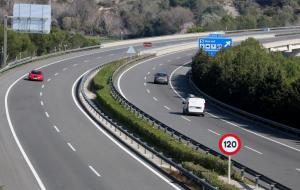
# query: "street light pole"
[[5, 42]]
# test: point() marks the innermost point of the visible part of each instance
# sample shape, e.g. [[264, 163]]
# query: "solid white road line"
[[259, 135], [34, 172], [70, 145], [47, 115], [171, 84], [56, 128], [43, 86], [49, 80], [154, 98], [167, 107], [41, 94], [12, 129], [97, 174], [42, 103], [55, 74], [253, 150], [185, 118], [214, 132], [64, 69], [117, 142], [148, 91]]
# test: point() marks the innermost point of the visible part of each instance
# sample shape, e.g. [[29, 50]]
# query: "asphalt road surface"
[[264, 150]]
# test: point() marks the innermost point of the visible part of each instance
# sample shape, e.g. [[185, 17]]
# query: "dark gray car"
[[161, 78]]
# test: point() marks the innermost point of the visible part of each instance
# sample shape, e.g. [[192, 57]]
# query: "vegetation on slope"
[[137, 18], [22, 45], [250, 78]]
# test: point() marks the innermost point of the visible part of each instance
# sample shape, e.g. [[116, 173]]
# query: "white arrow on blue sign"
[[214, 43]]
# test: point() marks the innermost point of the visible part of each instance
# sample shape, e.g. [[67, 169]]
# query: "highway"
[[264, 150], [60, 147], [66, 149]]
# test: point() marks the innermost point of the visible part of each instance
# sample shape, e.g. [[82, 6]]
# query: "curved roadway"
[[61, 146], [264, 150]]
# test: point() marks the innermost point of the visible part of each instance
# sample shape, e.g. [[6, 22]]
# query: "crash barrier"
[[267, 122], [121, 133], [258, 178]]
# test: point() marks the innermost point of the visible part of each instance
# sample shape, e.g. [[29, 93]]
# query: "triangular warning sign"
[[131, 50]]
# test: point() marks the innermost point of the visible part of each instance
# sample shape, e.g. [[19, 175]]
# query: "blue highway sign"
[[214, 43]]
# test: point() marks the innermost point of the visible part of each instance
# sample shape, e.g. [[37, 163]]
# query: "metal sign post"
[[27, 18], [4, 42], [230, 144]]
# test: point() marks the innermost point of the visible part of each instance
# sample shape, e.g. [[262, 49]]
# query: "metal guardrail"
[[279, 126], [262, 29], [258, 178], [14, 64], [99, 116]]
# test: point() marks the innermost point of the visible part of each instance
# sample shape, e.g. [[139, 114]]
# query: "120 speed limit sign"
[[230, 144]]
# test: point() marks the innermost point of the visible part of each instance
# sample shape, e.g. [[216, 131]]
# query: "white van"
[[194, 106]]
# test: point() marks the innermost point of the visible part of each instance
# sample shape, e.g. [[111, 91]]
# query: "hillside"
[[134, 18]]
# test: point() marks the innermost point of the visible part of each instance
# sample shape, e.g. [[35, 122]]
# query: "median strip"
[[170, 146]]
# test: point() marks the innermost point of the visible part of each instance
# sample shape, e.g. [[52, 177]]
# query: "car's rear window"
[[36, 72], [161, 74]]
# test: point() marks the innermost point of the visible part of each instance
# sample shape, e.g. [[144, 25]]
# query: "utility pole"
[[5, 42]]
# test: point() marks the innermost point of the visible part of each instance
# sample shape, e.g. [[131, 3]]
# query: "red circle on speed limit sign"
[[230, 144]]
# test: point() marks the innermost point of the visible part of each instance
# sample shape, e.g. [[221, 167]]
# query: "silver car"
[[161, 78]]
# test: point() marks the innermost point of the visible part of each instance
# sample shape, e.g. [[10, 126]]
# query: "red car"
[[36, 75]]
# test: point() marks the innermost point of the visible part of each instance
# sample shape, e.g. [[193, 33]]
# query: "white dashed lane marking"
[[148, 91], [214, 132], [56, 128], [86, 61], [252, 149], [145, 78], [43, 86], [42, 103], [298, 169], [148, 73], [55, 74], [64, 69], [48, 80], [74, 65], [154, 98], [167, 107], [47, 115], [178, 57], [72, 148], [153, 68], [95, 172], [98, 57], [185, 118], [41, 94]]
